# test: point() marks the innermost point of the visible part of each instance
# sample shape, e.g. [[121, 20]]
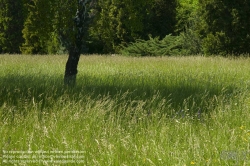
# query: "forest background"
[[140, 28]]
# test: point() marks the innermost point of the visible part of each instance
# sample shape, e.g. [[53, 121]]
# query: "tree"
[[75, 39], [121, 22], [160, 18], [115, 23], [38, 27], [226, 28], [188, 26], [12, 16]]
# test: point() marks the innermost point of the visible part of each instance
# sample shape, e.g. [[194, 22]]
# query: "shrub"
[[170, 45]]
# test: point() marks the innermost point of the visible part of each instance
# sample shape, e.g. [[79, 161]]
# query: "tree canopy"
[[201, 27]]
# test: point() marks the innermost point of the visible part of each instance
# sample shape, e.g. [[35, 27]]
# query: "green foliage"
[[214, 43], [38, 27], [105, 24], [186, 13], [54, 45], [170, 45], [64, 21], [160, 18], [115, 24], [118, 23], [190, 40], [11, 24], [65, 27], [47, 26], [226, 26], [188, 26]]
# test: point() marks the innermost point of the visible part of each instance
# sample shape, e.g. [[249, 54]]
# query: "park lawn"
[[125, 111]]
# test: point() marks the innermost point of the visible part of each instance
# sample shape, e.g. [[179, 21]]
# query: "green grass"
[[128, 111]]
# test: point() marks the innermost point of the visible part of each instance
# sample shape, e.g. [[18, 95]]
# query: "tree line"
[[164, 26]]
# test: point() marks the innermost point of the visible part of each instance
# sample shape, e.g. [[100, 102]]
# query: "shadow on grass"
[[16, 89]]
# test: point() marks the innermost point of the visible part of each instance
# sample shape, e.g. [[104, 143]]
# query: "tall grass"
[[128, 111]]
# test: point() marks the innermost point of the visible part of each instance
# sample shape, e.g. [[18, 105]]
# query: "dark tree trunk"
[[71, 67]]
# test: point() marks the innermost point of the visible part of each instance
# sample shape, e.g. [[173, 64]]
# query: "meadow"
[[125, 111]]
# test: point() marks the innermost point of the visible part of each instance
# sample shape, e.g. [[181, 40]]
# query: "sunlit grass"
[[129, 111]]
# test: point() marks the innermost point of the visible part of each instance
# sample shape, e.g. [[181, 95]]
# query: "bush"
[[170, 45]]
